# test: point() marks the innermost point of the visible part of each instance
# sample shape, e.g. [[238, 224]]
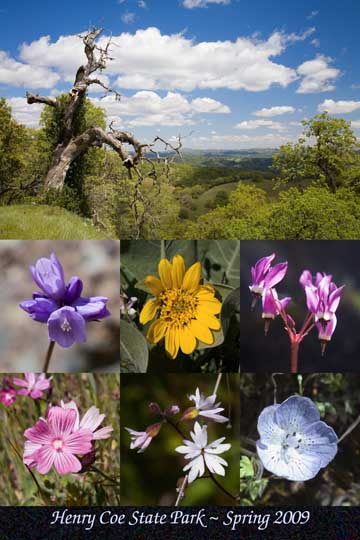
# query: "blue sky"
[[223, 73]]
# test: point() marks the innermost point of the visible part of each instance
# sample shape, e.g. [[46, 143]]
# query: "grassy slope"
[[27, 222]]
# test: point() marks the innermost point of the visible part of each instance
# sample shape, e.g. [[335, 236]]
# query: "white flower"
[[203, 454], [207, 407]]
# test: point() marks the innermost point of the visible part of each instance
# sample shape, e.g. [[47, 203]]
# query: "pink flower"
[[33, 385], [55, 442], [272, 305], [91, 420], [7, 396], [264, 276]]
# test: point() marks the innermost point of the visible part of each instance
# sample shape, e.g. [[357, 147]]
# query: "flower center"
[[57, 444], [65, 325], [177, 306], [291, 440]]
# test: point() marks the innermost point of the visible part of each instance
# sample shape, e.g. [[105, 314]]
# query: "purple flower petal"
[[73, 290], [92, 308], [48, 274], [66, 327], [275, 274], [39, 309]]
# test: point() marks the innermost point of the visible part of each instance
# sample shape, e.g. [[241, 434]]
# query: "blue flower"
[[61, 306], [294, 443]]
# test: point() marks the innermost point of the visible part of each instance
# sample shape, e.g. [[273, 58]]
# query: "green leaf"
[[246, 467], [134, 352]]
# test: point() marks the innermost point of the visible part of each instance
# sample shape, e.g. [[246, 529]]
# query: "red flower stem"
[[308, 320], [294, 356], [48, 356]]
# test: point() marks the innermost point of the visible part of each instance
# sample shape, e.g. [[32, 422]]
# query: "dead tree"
[[71, 146]]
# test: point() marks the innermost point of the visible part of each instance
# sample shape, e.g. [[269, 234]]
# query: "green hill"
[[28, 222]]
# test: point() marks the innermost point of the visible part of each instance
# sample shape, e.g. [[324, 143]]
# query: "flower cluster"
[[185, 311], [33, 386], [61, 305], [202, 455], [322, 299], [294, 443], [61, 438]]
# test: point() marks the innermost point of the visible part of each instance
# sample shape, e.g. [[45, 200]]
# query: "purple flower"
[[61, 306], [33, 386], [322, 299], [272, 305], [264, 276], [142, 439], [294, 443]]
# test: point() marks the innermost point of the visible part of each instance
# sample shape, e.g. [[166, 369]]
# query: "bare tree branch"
[[35, 98]]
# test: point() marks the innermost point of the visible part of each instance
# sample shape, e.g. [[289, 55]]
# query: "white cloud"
[[29, 115], [142, 4], [355, 124], [149, 60], [315, 42], [293, 38], [190, 4], [208, 105], [338, 107], [256, 124], [149, 109], [274, 111], [18, 74], [312, 15], [317, 75], [128, 17]]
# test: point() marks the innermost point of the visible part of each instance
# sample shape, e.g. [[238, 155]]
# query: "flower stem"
[[294, 356], [48, 356], [221, 487], [110, 478]]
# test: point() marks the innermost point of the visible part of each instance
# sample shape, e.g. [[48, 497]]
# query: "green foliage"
[[13, 140], [324, 153], [315, 213], [44, 222]]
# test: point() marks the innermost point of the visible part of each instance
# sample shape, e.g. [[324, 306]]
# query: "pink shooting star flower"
[[272, 306], [322, 299], [55, 442], [264, 276], [142, 439], [34, 385]]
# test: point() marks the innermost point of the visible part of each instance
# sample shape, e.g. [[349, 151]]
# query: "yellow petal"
[[211, 308], [192, 277], [154, 285], [172, 342], [209, 320], [156, 331], [177, 271], [202, 332], [187, 340], [165, 274], [148, 312]]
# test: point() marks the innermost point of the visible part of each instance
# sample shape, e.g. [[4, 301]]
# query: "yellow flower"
[[185, 310]]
